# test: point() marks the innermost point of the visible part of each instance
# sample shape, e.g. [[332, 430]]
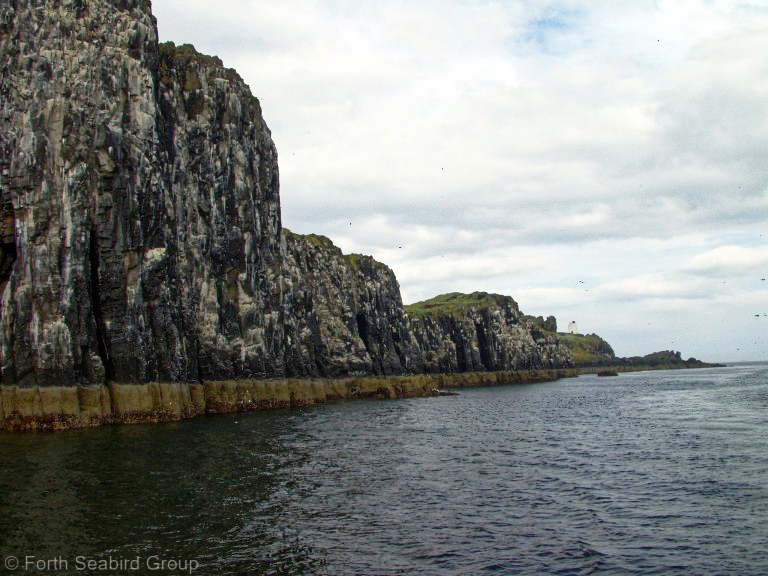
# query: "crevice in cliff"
[[364, 331], [101, 332], [7, 258], [7, 238], [461, 354], [484, 345]]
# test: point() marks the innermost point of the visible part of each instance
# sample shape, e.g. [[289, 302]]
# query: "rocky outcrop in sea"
[[141, 242]]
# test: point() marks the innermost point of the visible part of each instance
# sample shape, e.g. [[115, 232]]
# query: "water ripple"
[[649, 473]]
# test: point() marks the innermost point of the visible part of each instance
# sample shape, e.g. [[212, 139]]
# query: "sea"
[[645, 473]]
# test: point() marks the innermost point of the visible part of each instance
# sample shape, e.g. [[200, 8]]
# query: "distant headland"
[[591, 354]]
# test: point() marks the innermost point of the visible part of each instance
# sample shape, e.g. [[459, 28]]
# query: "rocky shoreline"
[[63, 408], [47, 408], [645, 368]]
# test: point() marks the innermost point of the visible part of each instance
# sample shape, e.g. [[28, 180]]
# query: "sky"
[[603, 161]]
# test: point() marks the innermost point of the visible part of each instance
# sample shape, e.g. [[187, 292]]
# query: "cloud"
[[649, 286], [729, 260]]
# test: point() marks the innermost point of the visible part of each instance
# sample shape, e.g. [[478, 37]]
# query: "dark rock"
[[481, 332], [342, 314]]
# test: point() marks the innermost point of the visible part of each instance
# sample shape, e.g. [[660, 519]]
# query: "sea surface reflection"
[[647, 473]]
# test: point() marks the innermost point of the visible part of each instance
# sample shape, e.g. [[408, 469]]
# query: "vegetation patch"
[[364, 263], [315, 240], [588, 349], [456, 304]]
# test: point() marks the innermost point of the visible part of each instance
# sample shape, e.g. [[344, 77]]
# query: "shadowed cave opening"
[[101, 332], [7, 258], [484, 344], [461, 357], [364, 330]]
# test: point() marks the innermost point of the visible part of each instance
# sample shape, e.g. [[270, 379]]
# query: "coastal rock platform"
[[46, 408]]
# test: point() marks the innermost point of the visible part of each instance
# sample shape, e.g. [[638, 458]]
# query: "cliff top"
[[187, 66], [317, 240], [457, 302], [355, 261], [587, 348]]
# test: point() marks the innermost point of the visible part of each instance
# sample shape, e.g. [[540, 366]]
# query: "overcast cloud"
[[602, 161]]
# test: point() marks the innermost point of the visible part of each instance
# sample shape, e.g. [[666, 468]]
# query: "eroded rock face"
[[140, 203], [343, 314], [78, 152], [140, 232], [218, 224], [482, 332]]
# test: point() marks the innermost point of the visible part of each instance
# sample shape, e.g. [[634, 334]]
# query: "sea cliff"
[[481, 332], [144, 269]]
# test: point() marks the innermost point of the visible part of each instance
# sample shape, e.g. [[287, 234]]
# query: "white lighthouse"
[[572, 327]]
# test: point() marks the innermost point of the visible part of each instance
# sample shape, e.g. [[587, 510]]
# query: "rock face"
[[342, 314], [140, 231], [589, 349], [140, 204], [482, 332]]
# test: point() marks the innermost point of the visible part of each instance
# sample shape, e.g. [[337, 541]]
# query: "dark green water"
[[647, 473]]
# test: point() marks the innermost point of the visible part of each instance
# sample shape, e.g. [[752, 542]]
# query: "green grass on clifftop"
[[355, 261], [588, 349], [456, 303]]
